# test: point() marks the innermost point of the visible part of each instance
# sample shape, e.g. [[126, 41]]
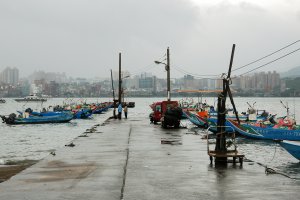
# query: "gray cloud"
[[83, 37]]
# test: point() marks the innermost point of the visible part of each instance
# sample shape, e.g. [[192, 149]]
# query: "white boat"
[[31, 98]]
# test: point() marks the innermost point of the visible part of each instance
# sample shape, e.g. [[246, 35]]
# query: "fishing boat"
[[82, 114], [39, 118], [31, 98], [213, 125], [265, 131], [101, 108], [195, 119], [293, 147]]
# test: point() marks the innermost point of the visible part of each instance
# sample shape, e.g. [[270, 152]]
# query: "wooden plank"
[[227, 154]]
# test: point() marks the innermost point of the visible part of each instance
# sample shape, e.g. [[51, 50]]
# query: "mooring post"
[[221, 129]]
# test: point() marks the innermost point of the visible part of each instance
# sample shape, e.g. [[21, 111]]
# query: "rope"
[[269, 170]]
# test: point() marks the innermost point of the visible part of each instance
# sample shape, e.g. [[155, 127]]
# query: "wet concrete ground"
[[125, 159]]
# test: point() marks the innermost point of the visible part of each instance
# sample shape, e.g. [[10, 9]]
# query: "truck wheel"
[[163, 124], [177, 124]]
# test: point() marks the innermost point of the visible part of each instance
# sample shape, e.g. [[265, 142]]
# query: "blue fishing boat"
[[102, 109], [38, 118], [293, 147], [266, 131], [195, 119], [213, 123], [82, 114]]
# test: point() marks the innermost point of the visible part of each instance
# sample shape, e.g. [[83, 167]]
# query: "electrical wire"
[[215, 77], [266, 56], [149, 66], [196, 75], [270, 62]]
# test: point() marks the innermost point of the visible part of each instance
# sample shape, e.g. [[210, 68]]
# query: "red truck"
[[166, 112]]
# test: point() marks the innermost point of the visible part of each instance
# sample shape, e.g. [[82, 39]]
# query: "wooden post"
[[221, 134]]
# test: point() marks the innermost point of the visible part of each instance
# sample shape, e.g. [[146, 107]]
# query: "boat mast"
[[113, 91]]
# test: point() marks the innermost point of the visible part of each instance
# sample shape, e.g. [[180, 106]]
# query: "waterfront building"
[[10, 76]]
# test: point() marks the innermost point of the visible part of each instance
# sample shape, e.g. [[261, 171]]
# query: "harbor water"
[[34, 142]]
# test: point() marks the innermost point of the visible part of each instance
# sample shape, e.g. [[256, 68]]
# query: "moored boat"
[[31, 98], [82, 114], [263, 131], [213, 125], [101, 108], [38, 118], [195, 119], [293, 147]]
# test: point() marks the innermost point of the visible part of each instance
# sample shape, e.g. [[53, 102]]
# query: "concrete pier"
[[125, 159]]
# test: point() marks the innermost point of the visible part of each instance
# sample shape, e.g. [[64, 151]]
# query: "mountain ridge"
[[292, 73]]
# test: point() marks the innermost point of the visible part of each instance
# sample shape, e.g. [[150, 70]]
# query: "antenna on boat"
[[286, 107], [294, 106], [252, 107], [113, 92]]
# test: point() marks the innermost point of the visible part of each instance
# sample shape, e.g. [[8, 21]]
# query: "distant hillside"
[[294, 72]]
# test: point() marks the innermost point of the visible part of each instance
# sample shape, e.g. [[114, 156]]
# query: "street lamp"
[[167, 68], [166, 65]]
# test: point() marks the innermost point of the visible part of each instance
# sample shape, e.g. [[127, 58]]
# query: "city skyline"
[[115, 74]]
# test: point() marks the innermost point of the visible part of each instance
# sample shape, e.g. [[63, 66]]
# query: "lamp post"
[[167, 67], [120, 79]]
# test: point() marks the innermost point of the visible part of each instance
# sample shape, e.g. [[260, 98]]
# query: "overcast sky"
[[83, 37]]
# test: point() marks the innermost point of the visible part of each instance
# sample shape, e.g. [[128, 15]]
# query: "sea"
[[34, 142]]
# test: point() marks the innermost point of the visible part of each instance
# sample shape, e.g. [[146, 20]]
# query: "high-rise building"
[[10, 76]]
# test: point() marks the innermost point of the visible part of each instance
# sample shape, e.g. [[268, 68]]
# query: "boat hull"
[[213, 123], [267, 132], [30, 100], [196, 120], [40, 119], [293, 147]]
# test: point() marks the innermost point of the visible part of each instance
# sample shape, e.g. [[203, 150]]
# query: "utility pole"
[[120, 80], [168, 75]]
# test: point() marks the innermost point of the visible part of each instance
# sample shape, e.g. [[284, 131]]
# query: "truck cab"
[[160, 109]]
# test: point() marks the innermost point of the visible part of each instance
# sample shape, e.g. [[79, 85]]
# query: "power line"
[[270, 62], [147, 67], [266, 56], [195, 75]]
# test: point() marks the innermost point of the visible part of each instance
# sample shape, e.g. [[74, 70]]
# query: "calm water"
[[36, 141]]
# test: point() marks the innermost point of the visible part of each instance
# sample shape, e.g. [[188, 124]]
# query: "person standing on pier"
[[125, 110], [120, 111]]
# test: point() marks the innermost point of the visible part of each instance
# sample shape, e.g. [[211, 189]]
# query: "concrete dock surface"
[[125, 159]]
